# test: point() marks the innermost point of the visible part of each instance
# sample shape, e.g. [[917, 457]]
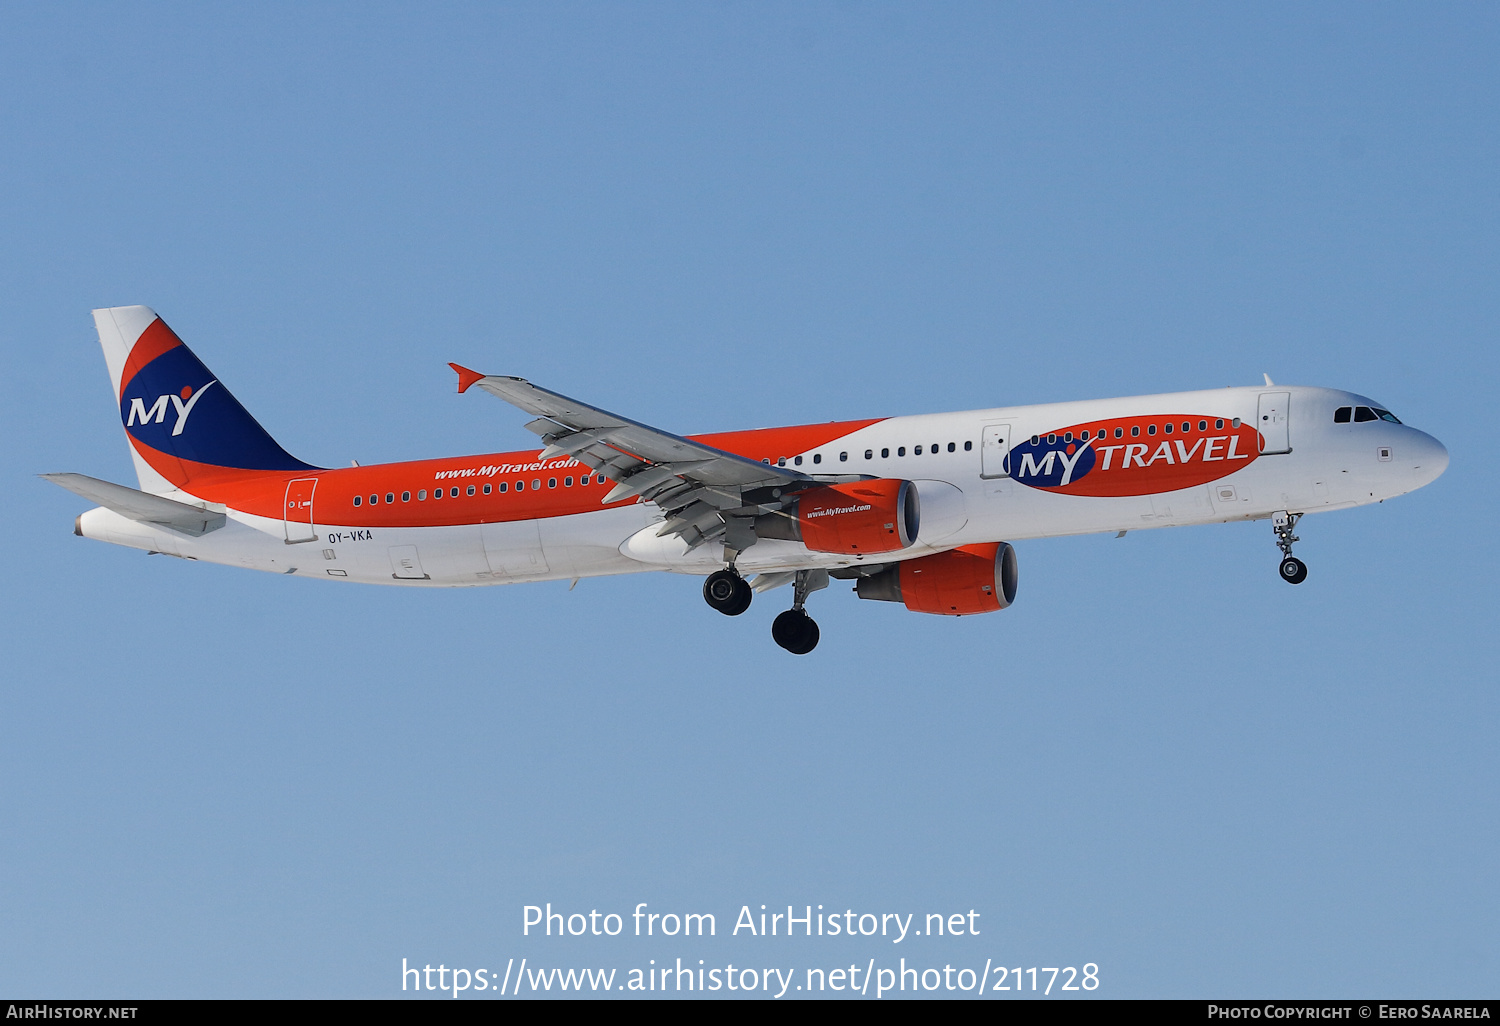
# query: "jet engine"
[[854, 517], [961, 581]]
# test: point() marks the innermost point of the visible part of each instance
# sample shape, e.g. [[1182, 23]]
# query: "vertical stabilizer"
[[180, 421]]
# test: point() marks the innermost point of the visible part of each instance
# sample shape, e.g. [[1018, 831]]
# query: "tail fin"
[[180, 421]]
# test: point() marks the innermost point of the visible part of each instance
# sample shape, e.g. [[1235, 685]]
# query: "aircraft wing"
[[705, 492]]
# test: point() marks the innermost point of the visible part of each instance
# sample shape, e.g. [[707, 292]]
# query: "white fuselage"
[[966, 491]]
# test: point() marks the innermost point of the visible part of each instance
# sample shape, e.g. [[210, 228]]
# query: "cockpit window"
[[1363, 415]]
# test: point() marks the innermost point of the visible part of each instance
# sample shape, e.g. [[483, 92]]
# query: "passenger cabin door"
[[994, 451], [298, 511], [1272, 421]]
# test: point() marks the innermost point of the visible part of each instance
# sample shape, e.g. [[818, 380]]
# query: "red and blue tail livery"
[[919, 510], [165, 388]]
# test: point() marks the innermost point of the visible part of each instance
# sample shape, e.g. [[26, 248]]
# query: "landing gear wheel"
[[1293, 570], [795, 631], [727, 592]]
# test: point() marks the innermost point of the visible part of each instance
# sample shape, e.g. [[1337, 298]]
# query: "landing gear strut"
[[1293, 570], [727, 592], [794, 630]]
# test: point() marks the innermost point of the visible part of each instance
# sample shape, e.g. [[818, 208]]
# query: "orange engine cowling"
[[961, 581], [856, 517]]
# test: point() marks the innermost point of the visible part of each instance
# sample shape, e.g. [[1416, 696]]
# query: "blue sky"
[[1162, 760]]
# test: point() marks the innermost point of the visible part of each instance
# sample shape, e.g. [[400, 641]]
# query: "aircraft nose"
[[1431, 458]]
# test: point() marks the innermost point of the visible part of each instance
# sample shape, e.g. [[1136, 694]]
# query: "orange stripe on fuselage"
[[155, 340], [263, 493], [771, 444]]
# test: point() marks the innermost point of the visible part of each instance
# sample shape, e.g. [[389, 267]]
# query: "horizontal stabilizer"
[[141, 507]]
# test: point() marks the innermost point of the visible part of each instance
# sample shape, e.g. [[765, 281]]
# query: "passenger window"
[[968, 446], [374, 500], [1341, 415], [933, 448], [1186, 427], [869, 454], [1135, 431], [1219, 424], [1363, 414], [885, 454], [901, 450], [406, 496], [1119, 432], [952, 447], [551, 482], [536, 483], [520, 486], [358, 499], [567, 482], [437, 493], [917, 451], [1236, 423], [486, 489], [1036, 440], [781, 461], [1202, 425], [1168, 427], [1387, 415], [422, 495], [1051, 439], [390, 497], [1151, 429], [1067, 436], [817, 457], [469, 490], [798, 461], [843, 457], [502, 487]]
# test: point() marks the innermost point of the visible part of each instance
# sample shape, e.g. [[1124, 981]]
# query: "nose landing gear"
[[794, 630], [728, 592], [1293, 570]]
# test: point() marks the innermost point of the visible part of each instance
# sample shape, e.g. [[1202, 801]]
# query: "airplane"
[[919, 510]]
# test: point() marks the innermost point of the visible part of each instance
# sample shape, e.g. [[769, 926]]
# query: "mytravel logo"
[[171, 405], [1134, 455], [182, 402]]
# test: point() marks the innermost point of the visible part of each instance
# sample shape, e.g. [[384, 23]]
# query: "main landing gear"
[[794, 630], [1293, 570], [727, 592]]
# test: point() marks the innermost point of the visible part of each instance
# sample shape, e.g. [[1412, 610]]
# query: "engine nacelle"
[[961, 581], [855, 517]]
